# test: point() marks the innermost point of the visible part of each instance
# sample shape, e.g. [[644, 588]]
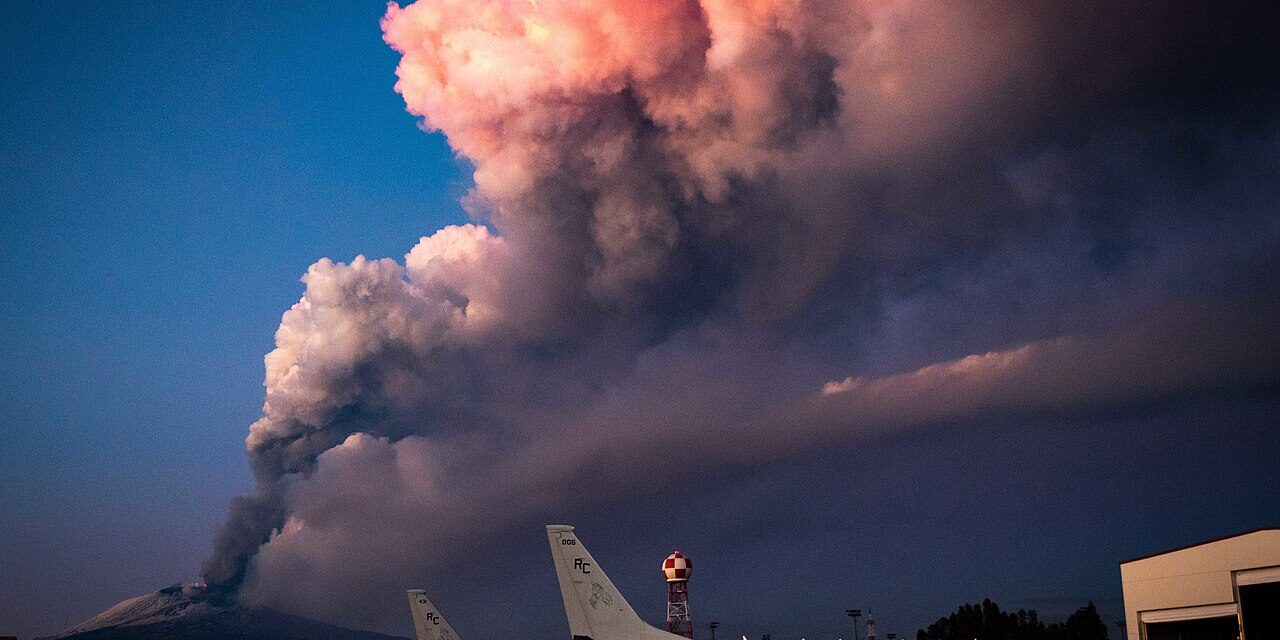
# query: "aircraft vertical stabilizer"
[[427, 621], [595, 609]]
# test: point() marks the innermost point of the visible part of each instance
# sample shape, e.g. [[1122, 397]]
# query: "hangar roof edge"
[[1201, 543]]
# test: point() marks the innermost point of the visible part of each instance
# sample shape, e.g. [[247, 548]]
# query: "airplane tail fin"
[[596, 610], [427, 621]]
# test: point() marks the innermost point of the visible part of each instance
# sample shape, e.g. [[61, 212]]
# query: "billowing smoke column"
[[758, 227], [607, 139]]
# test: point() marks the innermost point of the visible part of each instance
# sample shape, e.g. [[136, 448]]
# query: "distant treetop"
[[987, 622]]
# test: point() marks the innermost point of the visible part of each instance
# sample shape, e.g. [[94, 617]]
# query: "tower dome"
[[676, 568]]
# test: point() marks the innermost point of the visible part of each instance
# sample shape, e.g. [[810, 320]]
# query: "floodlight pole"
[[855, 614]]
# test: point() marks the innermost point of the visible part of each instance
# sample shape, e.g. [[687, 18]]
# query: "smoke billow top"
[[706, 217]]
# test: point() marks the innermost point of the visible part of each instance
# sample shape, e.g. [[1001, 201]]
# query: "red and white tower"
[[676, 569]]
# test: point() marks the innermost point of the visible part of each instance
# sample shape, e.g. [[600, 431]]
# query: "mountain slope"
[[188, 613]]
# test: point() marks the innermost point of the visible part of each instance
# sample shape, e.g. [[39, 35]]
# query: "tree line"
[[987, 622]]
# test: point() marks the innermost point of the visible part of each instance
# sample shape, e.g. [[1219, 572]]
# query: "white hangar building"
[[1224, 589]]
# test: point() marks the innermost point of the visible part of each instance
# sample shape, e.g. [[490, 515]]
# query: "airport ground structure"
[[1220, 589]]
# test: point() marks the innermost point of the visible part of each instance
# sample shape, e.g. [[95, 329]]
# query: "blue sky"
[[167, 176], [169, 172]]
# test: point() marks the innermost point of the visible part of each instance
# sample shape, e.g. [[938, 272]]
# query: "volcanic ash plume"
[[690, 215], [607, 139]]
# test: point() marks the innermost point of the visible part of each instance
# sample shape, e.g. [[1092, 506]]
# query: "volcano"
[[195, 613]]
